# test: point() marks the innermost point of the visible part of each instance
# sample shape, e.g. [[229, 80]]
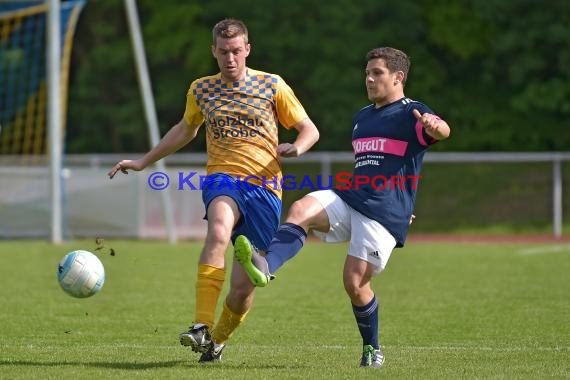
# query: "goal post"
[[149, 106], [54, 118]]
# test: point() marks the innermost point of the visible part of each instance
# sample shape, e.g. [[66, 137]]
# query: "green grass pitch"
[[448, 311]]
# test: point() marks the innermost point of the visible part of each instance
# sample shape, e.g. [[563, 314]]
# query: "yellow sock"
[[208, 288], [228, 323]]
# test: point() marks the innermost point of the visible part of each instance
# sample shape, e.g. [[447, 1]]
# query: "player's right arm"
[[178, 136]]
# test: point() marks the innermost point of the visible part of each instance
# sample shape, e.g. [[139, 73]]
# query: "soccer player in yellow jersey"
[[240, 109]]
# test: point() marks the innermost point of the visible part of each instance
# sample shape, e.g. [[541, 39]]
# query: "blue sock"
[[288, 241], [367, 321]]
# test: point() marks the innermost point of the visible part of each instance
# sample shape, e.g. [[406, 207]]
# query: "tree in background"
[[500, 69]]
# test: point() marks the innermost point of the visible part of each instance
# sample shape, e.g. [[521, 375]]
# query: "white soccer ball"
[[81, 274]]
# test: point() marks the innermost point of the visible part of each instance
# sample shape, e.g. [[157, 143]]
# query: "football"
[[81, 274]]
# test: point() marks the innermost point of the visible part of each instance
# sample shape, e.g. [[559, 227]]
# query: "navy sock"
[[367, 321], [288, 241]]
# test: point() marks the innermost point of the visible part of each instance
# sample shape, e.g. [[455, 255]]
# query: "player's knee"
[[217, 236], [356, 289], [296, 212], [302, 211], [351, 287]]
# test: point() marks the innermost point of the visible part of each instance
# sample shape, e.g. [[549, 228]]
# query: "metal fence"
[[326, 159], [127, 208]]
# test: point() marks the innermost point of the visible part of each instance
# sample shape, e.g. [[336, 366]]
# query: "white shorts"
[[369, 240]]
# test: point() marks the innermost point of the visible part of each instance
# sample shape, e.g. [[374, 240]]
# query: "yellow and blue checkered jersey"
[[241, 120]]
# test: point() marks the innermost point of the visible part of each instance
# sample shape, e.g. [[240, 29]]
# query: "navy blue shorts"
[[260, 208]]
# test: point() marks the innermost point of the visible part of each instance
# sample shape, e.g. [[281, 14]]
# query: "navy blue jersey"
[[389, 146]]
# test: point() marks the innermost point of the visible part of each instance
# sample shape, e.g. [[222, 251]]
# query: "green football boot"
[[252, 262], [371, 357]]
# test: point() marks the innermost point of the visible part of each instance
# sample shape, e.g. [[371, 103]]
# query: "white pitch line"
[[544, 249], [486, 348]]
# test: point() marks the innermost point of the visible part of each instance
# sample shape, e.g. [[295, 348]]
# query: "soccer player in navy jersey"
[[373, 212]]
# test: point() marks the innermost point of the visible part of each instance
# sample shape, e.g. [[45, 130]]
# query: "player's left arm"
[[433, 125], [291, 114], [307, 137]]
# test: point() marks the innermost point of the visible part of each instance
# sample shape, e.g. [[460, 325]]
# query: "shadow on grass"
[[143, 366], [124, 365]]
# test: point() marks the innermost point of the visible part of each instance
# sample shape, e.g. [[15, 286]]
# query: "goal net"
[[24, 194]]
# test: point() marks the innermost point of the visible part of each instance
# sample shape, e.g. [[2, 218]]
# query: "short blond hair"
[[229, 28]]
